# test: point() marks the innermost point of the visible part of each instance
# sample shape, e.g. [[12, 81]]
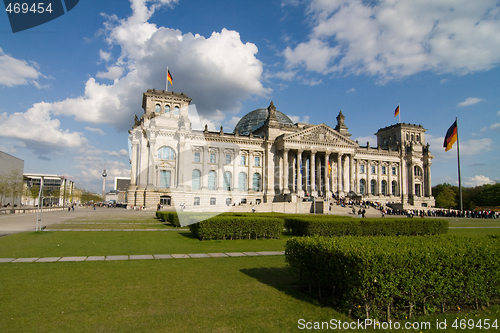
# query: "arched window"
[[167, 108], [242, 181], [362, 187], [227, 181], [176, 110], [166, 153], [394, 187], [157, 108], [165, 178], [384, 187], [196, 179], [212, 179], [418, 171], [256, 182], [373, 186]]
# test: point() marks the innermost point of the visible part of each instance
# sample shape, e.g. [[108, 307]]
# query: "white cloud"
[[393, 39], [362, 140], [470, 101], [17, 72], [467, 148], [352, 90], [478, 180], [217, 72], [443, 81], [296, 119], [38, 131], [94, 130], [113, 73], [122, 152], [498, 113]]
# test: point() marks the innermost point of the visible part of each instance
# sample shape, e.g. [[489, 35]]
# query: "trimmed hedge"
[[234, 227], [394, 277], [170, 217], [345, 226]]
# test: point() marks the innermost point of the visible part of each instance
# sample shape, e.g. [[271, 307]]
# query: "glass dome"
[[256, 119]]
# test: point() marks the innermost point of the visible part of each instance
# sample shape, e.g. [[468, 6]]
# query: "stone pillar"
[[221, 170], [351, 173], [300, 190], [234, 178], [249, 172], [205, 169], [133, 164], [312, 167], [339, 173], [294, 174], [151, 164], [328, 176], [428, 190], [286, 187]]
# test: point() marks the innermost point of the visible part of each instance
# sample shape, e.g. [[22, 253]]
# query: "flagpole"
[[399, 114], [459, 176], [167, 79]]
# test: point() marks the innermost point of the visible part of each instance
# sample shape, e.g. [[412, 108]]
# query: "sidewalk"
[[144, 257]]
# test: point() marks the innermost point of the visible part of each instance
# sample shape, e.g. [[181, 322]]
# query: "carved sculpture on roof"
[[341, 127]]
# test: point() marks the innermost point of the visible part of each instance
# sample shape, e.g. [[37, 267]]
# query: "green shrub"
[[344, 226], [237, 227], [387, 277]]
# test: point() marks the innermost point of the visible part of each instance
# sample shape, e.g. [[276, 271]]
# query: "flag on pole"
[[396, 112], [169, 77], [451, 136], [329, 169]]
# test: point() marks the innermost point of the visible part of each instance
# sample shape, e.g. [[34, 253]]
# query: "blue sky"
[[69, 88]]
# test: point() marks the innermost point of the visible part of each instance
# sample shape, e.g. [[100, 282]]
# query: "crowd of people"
[[359, 207]]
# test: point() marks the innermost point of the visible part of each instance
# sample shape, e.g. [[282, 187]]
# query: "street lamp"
[[104, 174]]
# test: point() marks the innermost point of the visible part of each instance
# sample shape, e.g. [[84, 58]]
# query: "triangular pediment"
[[319, 134]]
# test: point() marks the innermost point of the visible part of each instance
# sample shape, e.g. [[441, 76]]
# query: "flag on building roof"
[[451, 136], [169, 77], [396, 112]]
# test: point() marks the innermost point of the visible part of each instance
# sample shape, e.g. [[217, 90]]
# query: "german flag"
[[451, 136], [169, 77], [396, 112], [329, 170]]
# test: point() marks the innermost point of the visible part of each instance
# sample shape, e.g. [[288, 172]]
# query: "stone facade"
[[272, 160]]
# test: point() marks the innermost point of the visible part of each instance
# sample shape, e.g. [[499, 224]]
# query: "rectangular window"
[[228, 201], [417, 190], [228, 159], [196, 201], [383, 170], [212, 201], [165, 178], [257, 160], [362, 168], [213, 158], [197, 157], [393, 170], [243, 160], [374, 169]]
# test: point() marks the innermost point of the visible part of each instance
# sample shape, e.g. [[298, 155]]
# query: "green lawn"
[[243, 294]]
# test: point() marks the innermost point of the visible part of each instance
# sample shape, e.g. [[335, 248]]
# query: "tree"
[[489, 195], [446, 198]]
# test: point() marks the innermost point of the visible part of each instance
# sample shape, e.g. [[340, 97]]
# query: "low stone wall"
[[29, 210]]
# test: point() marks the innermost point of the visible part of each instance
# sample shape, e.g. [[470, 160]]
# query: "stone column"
[[351, 173], [428, 190], [249, 172], [205, 169], [221, 170], [312, 167], [133, 164], [234, 177], [151, 164], [328, 176], [286, 187], [339, 173], [294, 173], [300, 190]]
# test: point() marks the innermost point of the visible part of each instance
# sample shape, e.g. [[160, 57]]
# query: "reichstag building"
[[268, 158]]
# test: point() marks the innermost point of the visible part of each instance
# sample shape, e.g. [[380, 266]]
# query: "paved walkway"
[[144, 257]]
